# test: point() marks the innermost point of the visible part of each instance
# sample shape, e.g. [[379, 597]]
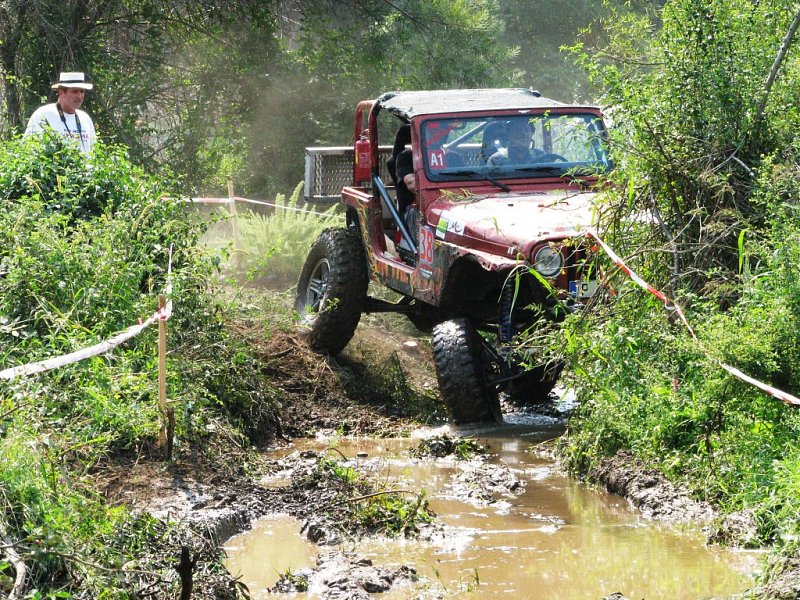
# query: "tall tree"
[[215, 88], [541, 28]]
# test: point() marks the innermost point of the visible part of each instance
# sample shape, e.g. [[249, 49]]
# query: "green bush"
[[381, 511], [85, 247], [685, 91], [646, 385], [704, 204]]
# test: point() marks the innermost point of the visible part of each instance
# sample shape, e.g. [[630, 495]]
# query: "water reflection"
[[558, 539], [272, 547]]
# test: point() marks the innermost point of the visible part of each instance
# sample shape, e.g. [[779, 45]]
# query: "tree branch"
[[773, 73], [671, 240], [381, 493], [18, 590]]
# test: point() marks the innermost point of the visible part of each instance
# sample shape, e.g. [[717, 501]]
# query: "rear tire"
[[462, 371], [332, 289], [535, 385]]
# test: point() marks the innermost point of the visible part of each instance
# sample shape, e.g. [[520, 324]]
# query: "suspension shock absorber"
[[506, 329]]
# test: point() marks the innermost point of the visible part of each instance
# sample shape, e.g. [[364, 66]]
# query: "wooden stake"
[[162, 374], [184, 569], [170, 431], [234, 225]]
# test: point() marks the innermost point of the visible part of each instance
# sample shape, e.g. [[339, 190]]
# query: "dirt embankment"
[[648, 490]]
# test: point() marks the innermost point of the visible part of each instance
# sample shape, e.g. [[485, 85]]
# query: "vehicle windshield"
[[514, 147]]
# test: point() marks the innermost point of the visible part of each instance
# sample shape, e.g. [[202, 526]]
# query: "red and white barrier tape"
[[639, 281], [101, 348], [774, 392], [258, 202]]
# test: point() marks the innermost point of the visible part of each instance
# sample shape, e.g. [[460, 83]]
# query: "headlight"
[[548, 262]]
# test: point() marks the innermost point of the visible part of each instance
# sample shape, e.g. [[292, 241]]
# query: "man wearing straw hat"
[[64, 115]]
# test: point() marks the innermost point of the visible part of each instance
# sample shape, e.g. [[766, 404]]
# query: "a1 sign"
[[436, 159]]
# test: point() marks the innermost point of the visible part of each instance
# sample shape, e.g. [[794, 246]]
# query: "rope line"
[[259, 203], [101, 348], [671, 305]]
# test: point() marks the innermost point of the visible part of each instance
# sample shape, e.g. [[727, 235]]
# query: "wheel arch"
[[467, 281]]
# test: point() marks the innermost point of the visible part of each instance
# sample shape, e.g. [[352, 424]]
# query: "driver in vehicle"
[[406, 186], [519, 133]]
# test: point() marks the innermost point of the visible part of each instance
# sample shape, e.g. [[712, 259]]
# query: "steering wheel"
[[551, 157]]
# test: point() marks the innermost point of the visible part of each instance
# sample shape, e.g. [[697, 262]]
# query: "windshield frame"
[[448, 157]]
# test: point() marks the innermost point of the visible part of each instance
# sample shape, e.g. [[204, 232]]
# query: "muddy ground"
[[215, 493]]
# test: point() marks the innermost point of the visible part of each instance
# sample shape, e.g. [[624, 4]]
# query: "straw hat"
[[72, 80]]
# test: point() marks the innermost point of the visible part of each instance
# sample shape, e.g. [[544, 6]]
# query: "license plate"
[[582, 289]]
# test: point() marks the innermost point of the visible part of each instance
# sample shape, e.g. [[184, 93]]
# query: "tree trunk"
[[11, 95], [8, 57]]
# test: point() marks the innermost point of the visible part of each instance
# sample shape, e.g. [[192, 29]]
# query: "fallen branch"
[[93, 565], [381, 493], [18, 589], [368, 496], [280, 354], [11, 411], [339, 452]]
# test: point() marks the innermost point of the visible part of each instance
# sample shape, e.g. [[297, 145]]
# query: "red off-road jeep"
[[489, 247]]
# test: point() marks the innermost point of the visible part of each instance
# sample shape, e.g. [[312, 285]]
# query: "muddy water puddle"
[[556, 539]]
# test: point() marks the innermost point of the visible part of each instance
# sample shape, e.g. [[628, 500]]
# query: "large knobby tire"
[[331, 290], [535, 385], [462, 371]]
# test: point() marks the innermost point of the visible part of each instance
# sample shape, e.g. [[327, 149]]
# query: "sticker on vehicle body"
[[441, 226], [436, 159], [447, 223], [426, 246]]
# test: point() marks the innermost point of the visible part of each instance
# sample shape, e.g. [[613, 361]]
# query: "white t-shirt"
[[48, 114]]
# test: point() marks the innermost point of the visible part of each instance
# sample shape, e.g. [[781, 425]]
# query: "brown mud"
[[217, 492]]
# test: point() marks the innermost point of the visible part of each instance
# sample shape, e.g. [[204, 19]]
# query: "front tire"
[[332, 289], [462, 371]]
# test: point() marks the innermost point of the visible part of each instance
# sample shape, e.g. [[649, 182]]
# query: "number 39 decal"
[[426, 245]]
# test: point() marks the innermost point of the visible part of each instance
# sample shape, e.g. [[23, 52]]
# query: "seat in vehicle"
[[494, 138]]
